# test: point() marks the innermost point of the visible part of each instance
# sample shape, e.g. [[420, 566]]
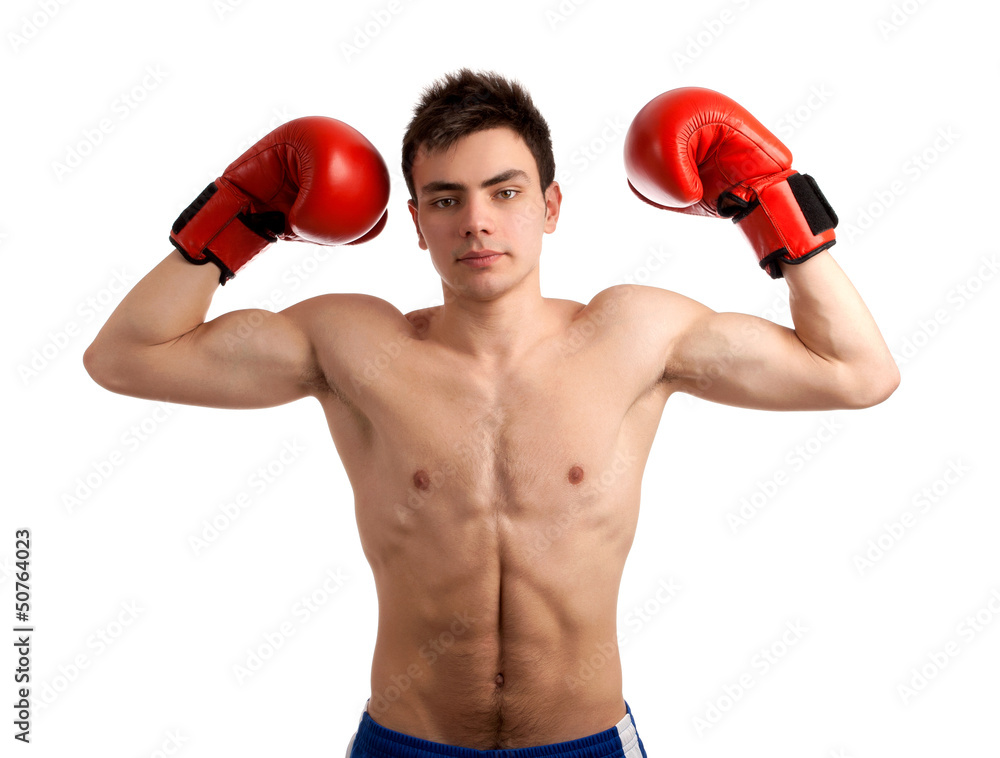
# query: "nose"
[[477, 217]]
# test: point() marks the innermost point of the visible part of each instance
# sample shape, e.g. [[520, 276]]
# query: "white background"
[[892, 107]]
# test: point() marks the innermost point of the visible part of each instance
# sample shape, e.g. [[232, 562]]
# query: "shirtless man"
[[497, 450]]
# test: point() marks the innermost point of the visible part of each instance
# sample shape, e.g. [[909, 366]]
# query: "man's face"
[[481, 213]]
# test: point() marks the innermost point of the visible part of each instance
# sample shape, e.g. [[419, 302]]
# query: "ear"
[[416, 222], [553, 202]]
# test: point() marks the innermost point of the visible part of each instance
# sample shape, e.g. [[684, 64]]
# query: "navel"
[[576, 475], [421, 480], [499, 680]]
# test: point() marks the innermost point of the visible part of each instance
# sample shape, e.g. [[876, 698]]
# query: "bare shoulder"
[[640, 325], [650, 310], [349, 312], [420, 319], [343, 330]]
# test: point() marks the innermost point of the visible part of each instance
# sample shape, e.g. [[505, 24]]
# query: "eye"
[[438, 203], [510, 196]]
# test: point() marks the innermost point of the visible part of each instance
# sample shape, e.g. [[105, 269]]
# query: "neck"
[[495, 329]]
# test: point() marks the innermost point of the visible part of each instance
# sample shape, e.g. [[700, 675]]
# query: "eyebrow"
[[504, 176]]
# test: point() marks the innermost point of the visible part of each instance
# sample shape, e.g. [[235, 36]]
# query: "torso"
[[496, 508]]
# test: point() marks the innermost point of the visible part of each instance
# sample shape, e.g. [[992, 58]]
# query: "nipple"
[[576, 475], [420, 480]]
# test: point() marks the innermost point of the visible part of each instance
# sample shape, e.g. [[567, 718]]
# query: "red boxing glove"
[[314, 179], [695, 151]]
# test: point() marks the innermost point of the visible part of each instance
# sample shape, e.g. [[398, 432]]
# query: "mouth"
[[480, 254], [480, 258]]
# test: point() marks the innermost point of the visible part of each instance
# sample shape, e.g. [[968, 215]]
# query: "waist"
[[477, 670], [621, 740], [461, 697]]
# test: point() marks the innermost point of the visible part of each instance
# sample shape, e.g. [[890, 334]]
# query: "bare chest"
[[508, 436], [483, 455]]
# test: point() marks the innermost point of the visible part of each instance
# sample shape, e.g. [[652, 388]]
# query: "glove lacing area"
[[785, 216]]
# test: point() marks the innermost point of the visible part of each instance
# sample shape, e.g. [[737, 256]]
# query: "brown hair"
[[466, 101]]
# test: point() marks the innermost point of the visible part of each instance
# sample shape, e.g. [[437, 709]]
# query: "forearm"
[[833, 322], [157, 345], [168, 302]]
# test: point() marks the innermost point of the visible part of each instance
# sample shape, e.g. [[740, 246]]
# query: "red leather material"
[[696, 151], [326, 177], [776, 226], [313, 179]]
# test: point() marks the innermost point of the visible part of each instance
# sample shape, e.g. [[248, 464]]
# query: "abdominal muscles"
[[498, 594], [496, 510]]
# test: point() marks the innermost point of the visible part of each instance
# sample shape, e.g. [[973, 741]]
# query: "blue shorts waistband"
[[373, 740]]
